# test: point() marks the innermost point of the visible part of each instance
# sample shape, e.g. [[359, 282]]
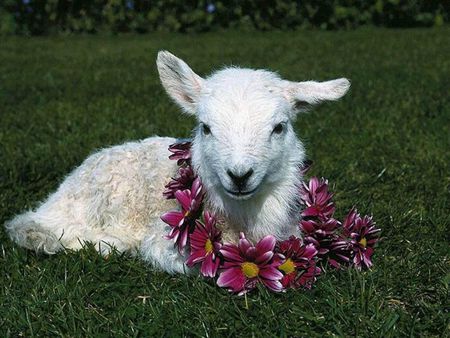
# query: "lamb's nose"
[[240, 180]]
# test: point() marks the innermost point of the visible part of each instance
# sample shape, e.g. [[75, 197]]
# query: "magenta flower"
[[323, 234], [183, 180], [181, 152], [205, 245], [309, 276], [245, 265], [339, 253], [317, 199], [320, 233], [183, 222], [363, 236], [350, 221], [299, 267]]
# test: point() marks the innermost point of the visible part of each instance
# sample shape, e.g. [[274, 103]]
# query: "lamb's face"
[[244, 136], [244, 142]]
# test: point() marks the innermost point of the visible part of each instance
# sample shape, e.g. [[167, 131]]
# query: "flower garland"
[[278, 265]]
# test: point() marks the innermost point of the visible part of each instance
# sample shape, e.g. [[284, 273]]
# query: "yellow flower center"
[[363, 242], [288, 266], [208, 246], [186, 214], [250, 269]]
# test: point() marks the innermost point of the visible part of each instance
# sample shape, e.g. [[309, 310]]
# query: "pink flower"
[[181, 152], [183, 222], [309, 276], [183, 180], [299, 266], [246, 265], [320, 233], [317, 199], [339, 252], [350, 221], [363, 237], [205, 245], [323, 234]]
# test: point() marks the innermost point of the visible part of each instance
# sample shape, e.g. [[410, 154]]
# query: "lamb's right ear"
[[180, 82]]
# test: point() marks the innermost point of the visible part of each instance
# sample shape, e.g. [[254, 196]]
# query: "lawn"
[[384, 147]]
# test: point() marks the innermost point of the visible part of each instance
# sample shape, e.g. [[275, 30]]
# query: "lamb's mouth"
[[240, 194]]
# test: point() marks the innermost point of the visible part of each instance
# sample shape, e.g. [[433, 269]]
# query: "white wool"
[[115, 197]]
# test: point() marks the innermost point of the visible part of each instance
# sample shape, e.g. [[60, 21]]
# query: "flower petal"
[[232, 278], [184, 198], [231, 252], [310, 211], [273, 285], [195, 257], [271, 273], [182, 241], [250, 254], [266, 244], [264, 258], [244, 244], [209, 266], [313, 183], [173, 218]]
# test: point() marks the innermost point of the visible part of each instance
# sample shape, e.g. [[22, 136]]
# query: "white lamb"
[[244, 149]]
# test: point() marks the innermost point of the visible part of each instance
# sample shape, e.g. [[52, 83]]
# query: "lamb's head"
[[244, 144]]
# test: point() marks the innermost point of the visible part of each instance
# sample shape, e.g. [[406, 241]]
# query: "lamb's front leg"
[[161, 252]]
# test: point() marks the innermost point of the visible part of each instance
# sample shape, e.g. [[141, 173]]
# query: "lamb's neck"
[[274, 210]]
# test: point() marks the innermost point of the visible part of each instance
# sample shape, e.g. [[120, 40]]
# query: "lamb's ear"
[[179, 81], [303, 95]]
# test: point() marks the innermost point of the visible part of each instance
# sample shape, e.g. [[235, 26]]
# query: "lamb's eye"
[[278, 128], [206, 130]]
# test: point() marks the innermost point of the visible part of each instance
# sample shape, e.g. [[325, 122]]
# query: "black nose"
[[240, 180]]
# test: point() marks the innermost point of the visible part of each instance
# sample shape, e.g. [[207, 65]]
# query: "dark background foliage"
[[55, 16]]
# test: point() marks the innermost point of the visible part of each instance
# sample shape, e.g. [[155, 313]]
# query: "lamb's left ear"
[[179, 81], [303, 95]]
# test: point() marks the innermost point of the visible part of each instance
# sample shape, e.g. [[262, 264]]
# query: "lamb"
[[244, 149]]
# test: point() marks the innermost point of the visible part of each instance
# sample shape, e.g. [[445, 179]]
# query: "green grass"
[[384, 147]]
